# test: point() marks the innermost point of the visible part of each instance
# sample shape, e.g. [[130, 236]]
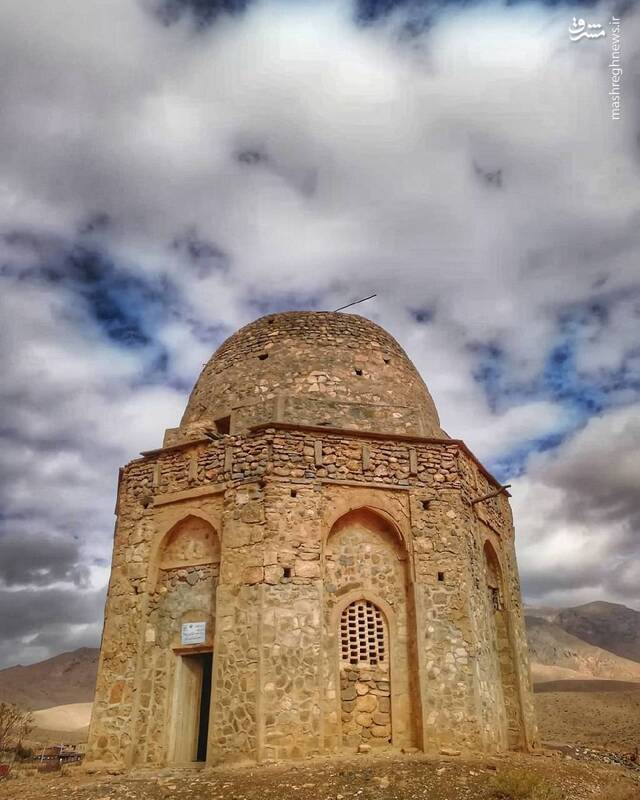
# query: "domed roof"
[[311, 368]]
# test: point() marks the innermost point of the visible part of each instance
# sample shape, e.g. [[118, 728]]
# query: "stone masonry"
[[310, 565]]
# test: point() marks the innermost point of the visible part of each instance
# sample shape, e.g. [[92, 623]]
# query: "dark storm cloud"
[[39, 559], [572, 579], [579, 509], [203, 256], [51, 621], [492, 178], [204, 11], [29, 612], [417, 15]]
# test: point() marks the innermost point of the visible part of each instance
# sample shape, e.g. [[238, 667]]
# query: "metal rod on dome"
[[355, 303]]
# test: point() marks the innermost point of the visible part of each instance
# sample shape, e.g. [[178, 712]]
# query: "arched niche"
[[390, 511], [190, 542], [499, 623], [184, 577], [369, 606], [375, 520], [493, 574], [364, 550]]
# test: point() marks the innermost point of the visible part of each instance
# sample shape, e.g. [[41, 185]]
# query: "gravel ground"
[[392, 777], [606, 720]]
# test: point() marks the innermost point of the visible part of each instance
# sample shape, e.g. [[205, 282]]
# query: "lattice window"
[[363, 635]]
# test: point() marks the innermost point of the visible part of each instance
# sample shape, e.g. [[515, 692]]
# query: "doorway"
[[192, 705]]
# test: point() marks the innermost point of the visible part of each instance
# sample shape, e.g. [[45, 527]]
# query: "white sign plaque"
[[193, 632]]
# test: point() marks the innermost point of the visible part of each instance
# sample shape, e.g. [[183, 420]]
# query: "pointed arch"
[[376, 520], [190, 541], [506, 666], [494, 576], [387, 506]]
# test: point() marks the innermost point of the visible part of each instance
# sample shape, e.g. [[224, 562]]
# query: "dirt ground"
[[604, 719], [390, 777], [608, 720]]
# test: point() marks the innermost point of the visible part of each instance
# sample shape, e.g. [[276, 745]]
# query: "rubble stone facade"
[[307, 566]]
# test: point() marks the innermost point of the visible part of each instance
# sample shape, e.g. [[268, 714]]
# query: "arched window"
[[363, 635], [494, 578]]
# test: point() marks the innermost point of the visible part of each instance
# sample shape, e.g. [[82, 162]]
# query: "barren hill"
[[608, 625], [556, 655], [63, 679]]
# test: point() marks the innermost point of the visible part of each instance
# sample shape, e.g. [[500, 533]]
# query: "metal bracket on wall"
[[501, 490]]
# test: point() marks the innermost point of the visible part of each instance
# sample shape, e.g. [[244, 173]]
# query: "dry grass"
[[520, 784]]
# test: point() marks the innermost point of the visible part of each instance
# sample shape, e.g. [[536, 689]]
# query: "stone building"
[[310, 565]]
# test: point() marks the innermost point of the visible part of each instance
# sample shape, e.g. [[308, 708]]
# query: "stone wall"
[[315, 368], [181, 595], [308, 521], [365, 695]]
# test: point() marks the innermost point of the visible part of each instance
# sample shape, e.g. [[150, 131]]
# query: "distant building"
[[310, 565], [60, 753]]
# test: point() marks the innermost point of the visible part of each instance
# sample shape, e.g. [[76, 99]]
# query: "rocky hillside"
[[67, 678], [556, 655], [610, 626]]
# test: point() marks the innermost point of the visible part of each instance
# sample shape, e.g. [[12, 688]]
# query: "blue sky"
[[172, 170]]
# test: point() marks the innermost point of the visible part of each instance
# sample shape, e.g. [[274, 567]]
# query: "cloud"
[[579, 517], [40, 560], [170, 171], [37, 623]]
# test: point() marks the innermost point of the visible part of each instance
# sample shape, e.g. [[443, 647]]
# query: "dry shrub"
[[522, 785]]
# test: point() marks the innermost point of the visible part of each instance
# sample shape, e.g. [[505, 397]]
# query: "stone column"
[[234, 730], [444, 639]]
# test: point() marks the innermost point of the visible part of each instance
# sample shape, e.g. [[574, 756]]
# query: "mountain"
[[557, 655], [608, 625], [63, 679], [595, 640]]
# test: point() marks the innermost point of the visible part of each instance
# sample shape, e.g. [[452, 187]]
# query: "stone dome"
[[310, 368]]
